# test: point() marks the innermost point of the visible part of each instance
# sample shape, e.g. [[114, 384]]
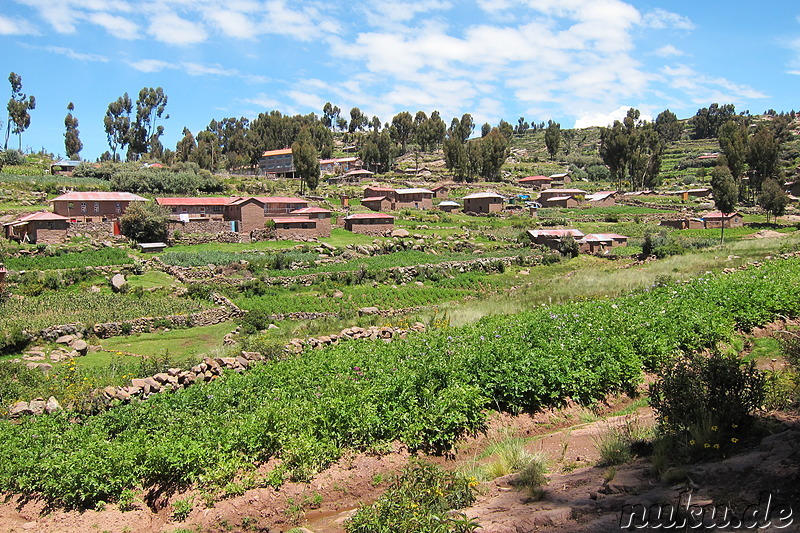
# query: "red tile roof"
[[373, 199], [313, 209], [717, 214], [96, 196], [280, 200], [282, 151], [535, 178], [289, 220], [39, 215]]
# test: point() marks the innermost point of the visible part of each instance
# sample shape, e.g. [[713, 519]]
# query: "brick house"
[[718, 220], [369, 223], [281, 205], [683, 223], [414, 198], [483, 202], [94, 206], [339, 165], [448, 205], [536, 182], [277, 163], [555, 197], [552, 237], [378, 203], [439, 191], [42, 227], [602, 198], [247, 214], [598, 243], [320, 216], [296, 228]]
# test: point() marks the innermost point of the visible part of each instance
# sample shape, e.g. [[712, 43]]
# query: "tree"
[[117, 123], [733, 143], [613, 150], [207, 154], [552, 138], [667, 126], [306, 159], [522, 126], [72, 140], [341, 123], [708, 120], [725, 192], [632, 149], [492, 152], [569, 136], [144, 132], [430, 132], [358, 120], [762, 156], [378, 151], [402, 128], [330, 114], [18, 108], [506, 129], [485, 129], [144, 222], [773, 199], [455, 156]]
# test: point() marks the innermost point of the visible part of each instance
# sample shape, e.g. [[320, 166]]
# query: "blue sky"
[[579, 62]]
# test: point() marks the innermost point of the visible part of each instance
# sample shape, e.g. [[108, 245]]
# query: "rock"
[[110, 391], [368, 311], [118, 283], [272, 326], [400, 232], [137, 382], [65, 339], [338, 294], [44, 367], [19, 409], [37, 406], [80, 346]]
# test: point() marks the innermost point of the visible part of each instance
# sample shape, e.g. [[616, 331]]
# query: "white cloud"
[[262, 101], [171, 29], [16, 26], [197, 69], [233, 23], [59, 15], [701, 88], [150, 65], [117, 26], [669, 51], [389, 13], [72, 54], [793, 72], [662, 19], [606, 119]]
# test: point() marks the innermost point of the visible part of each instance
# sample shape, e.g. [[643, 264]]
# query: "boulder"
[[118, 283], [80, 346], [400, 232], [52, 406], [368, 311], [44, 367], [19, 409], [37, 406], [65, 339]]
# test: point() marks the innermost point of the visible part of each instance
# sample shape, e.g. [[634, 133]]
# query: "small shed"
[[154, 247], [448, 205], [719, 220]]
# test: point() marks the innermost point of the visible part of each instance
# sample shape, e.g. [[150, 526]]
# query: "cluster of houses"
[[593, 243], [711, 220]]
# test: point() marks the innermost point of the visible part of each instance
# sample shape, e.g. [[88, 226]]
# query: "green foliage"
[[618, 444], [698, 391], [532, 477], [181, 508], [420, 500], [60, 258], [145, 222]]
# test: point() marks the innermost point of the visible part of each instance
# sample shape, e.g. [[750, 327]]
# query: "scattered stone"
[[118, 283], [368, 311], [37, 406], [65, 339], [18, 409], [400, 232], [80, 346]]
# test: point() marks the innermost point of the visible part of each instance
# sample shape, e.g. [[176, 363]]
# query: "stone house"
[[414, 198], [439, 191], [552, 237], [42, 227], [296, 228], [339, 165], [369, 223], [598, 243], [718, 220], [320, 216], [378, 203], [602, 198], [555, 197], [94, 206], [483, 202], [683, 223], [448, 205]]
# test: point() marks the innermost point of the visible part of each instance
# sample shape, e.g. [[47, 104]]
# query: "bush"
[[598, 173], [707, 391], [145, 222]]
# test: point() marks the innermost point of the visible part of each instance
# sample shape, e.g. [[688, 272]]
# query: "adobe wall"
[[97, 230], [376, 230]]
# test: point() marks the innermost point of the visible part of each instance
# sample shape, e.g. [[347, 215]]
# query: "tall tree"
[[358, 120], [522, 126], [485, 129], [330, 114], [613, 150], [494, 152], [72, 139], [667, 126], [306, 160], [117, 123], [207, 154], [733, 143], [552, 138], [633, 149], [186, 146], [725, 192], [773, 199], [378, 151], [505, 128], [455, 155], [402, 128], [18, 108], [762, 156], [150, 106], [708, 120]]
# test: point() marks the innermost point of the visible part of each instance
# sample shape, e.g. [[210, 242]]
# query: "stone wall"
[[206, 225], [203, 238], [96, 230]]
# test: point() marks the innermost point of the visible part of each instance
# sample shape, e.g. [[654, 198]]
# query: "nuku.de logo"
[[686, 515]]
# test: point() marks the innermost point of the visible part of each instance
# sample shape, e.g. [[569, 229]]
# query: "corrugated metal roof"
[[413, 191], [289, 220], [98, 196], [557, 198], [718, 214], [280, 200], [373, 199], [483, 195], [360, 216], [39, 215], [282, 151], [450, 203], [194, 201], [555, 232], [535, 178], [565, 191], [312, 209]]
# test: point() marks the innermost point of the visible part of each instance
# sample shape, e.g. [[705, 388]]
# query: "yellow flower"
[[714, 428], [734, 440], [706, 445], [734, 426], [691, 442], [716, 446]]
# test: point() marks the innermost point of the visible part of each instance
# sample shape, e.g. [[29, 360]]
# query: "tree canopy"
[[19, 107], [72, 140]]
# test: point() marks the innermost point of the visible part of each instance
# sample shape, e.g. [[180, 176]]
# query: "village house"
[[354, 176], [64, 167], [448, 206], [378, 203], [683, 223], [369, 223], [483, 202], [340, 165], [94, 206], [602, 198], [562, 197], [593, 243], [560, 179], [718, 220], [42, 227], [277, 163], [439, 191], [414, 198], [552, 237], [321, 218], [536, 182]]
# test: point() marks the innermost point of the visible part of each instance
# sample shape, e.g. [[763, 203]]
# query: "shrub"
[[598, 173], [716, 391], [144, 222]]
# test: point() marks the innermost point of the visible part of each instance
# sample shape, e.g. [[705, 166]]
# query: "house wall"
[[97, 229], [358, 226], [440, 193], [414, 201], [205, 225], [251, 216], [281, 209], [293, 233], [45, 232], [567, 202], [605, 202], [734, 222], [382, 205], [211, 211], [482, 205], [105, 209]]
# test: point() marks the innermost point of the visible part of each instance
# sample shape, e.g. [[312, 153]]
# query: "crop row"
[[84, 258], [426, 391]]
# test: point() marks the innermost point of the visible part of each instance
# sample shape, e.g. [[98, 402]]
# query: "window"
[[50, 225], [96, 207], [83, 207], [118, 208]]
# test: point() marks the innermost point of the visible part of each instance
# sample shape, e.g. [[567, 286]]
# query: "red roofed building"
[[277, 163], [536, 182], [369, 223], [94, 206], [378, 203], [42, 227], [717, 220]]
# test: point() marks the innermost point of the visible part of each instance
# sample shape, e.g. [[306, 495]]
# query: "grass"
[[152, 279], [339, 237], [182, 344]]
